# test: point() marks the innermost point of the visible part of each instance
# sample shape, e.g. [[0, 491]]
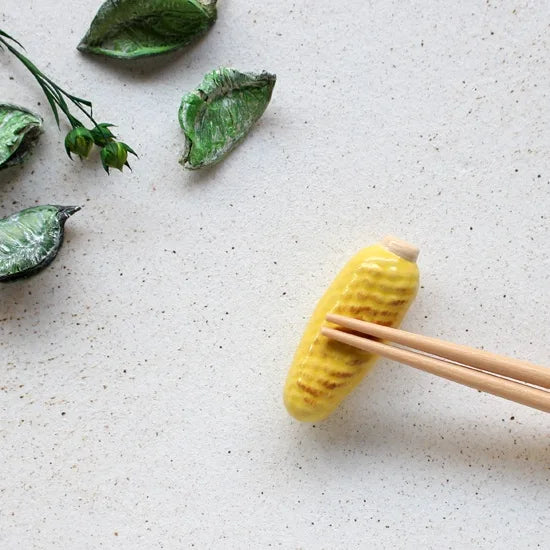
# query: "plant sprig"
[[80, 140]]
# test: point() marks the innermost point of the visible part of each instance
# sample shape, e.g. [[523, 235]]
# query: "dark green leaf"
[[30, 239], [219, 114], [19, 130], [6, 35], [52, 103], [80, 100], [128, 29]]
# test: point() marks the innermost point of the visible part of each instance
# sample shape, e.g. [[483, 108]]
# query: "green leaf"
[[219, 114], [128, 29], [19, 130], [31, 239]]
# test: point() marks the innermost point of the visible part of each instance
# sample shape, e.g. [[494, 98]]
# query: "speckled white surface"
[[142, 372]]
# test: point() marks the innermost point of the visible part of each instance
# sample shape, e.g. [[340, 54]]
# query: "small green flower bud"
[[79, 141], [115, 155], [102, 135]]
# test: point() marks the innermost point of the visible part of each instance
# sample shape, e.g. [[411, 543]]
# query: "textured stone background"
[[141, 373]]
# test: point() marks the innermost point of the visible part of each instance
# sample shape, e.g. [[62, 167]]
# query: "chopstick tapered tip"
[[354, 324], [333, 318]]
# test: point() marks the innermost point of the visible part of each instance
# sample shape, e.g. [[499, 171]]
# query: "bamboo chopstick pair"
[[511, 379]]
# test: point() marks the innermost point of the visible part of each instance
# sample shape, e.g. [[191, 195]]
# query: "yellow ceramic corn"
[[378, 285]]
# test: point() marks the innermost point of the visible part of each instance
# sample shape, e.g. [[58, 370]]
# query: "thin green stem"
[[59, 99], [53, 92]]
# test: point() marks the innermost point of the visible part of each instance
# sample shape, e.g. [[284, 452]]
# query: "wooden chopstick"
[[480, 359], [483, 381]]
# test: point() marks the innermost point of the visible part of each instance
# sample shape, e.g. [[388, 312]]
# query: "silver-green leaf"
[[129, 29], [218, 115], [31, 239], [19, 130]]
